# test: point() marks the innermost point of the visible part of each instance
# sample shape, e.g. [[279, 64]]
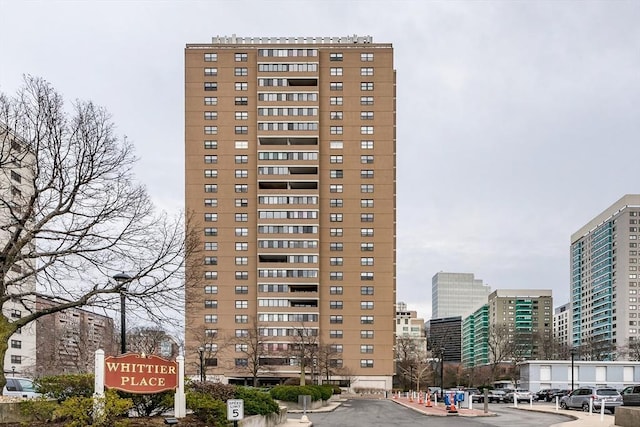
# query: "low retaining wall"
[[270, 420], [10, 413], [628, 416]]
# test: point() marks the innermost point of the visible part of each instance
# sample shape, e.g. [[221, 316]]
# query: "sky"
[[517, 121]]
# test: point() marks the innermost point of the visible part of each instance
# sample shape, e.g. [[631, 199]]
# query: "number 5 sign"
[[235, 409]]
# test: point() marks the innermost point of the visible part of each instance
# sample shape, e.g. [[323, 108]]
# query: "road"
[[374, 413]]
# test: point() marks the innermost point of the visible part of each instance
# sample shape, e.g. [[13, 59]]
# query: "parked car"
[[580, 398], [545, 394], [631, 395], [518, 394], [560, 394], [497, 396], [22, 387]]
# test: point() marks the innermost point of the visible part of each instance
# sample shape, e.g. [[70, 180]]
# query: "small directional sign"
[[235, 409]]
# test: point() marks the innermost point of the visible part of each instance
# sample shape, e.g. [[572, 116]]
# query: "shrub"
[[40, 409], [62, 387], [207, 409], [80, 411], [336, 389], [218, 391], [290, 393], [150, 404], [256, 402]]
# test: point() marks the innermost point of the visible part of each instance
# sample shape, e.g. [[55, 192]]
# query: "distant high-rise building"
[[475, 338], [445, 338], [562, 324], [457, 294], [605, 280], [290, 185], [521, 317]]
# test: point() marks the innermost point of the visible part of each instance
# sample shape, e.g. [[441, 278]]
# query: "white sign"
[[235, 409]]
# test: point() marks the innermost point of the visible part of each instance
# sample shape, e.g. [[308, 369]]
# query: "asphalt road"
[[368, 413]]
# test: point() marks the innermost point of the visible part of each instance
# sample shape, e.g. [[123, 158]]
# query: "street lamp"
[[573, 356], [122, 278], [410, 377], [201, 353], [442, 370]]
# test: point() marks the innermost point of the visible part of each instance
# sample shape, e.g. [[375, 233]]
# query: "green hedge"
[[256, 402], [290, 393], [207, 409], [62, 387]]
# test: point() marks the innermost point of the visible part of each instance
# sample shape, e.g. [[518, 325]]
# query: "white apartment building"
[[457, 294]]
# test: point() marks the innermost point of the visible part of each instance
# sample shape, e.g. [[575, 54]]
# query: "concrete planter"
[[270, 420]]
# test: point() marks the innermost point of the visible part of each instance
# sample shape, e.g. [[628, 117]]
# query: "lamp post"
[[201, 353], [442, 370], [122, 278], [410, 377], [573, 356]]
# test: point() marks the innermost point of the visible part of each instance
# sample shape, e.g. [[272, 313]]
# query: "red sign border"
[[154, 358]]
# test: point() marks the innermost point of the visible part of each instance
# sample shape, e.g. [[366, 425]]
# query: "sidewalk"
[[581, 419], [439, 409], [303, 421]]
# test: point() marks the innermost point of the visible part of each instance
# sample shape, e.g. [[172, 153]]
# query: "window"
[[335, 130], [335, 159], [211, 290], [242, 333], [210, 303], [368, 159], [366, 86], [366, 57], [210, 100], [241, 71], [366, 247], [366, 320], [366, 275], [210, 159], [242, 217], [368, 217], [336, 145], [335, 86], [335, 348], [366, 115], [210, 231], [242, 290], [242, 231], [366, 173], [210, 173], [16, 344], [243, 57], [366, 261], [366, 203], [366, 363], [366, 188], [336, 246], [335, 71], [335, 100], [366, 145], [335, 261], [366, 71], [242, 246], [241, 173], [335, 290], [16, 359], [366, 232], [335, 56], [241, 188], [335, 275], [336, 173], [242, 145], [242, 260], [335, 115], [211, 260], [336, 232], [211, 130], [210, 86], [242, 304], [366, 305], [210, 57], [366, 130], [210, 246], [241, 130], [366, 334], [366, 348], [335, 319], [366, 100], [335, 217], [210, 71], [210, 318], [242, 115], [211, 188], [210, 145], [242, 159], [241, 100], [335, 188], [335, 203], [333, 333], [241, 86], [242, 203], [241, 362], [242, 318]]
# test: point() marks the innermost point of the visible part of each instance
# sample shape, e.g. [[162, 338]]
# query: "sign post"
[[235, 410]]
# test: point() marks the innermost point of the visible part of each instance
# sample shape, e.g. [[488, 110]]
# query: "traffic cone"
[[395, 395], [411, 396], [420, 401], [452, 405], [428, 404]]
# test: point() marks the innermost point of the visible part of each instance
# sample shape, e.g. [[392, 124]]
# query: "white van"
[[22, 387]]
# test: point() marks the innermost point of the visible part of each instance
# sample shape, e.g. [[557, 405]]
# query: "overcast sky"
[[518, 121]]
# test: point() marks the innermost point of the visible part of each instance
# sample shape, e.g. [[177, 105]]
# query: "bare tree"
[[71, 215], [500, 347], [253, 346], [151, 340], [406, 356], [633, 349], [328, 356], [304, 350]]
